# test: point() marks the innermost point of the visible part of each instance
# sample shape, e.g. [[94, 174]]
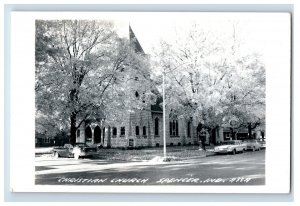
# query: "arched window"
[[114, 132], [156, 127], [88, 134], [78, 133], [137, 130], [174, 128], [103, 133], [144, 131]]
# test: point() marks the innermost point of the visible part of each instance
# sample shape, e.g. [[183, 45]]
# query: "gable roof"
[[135, 42]]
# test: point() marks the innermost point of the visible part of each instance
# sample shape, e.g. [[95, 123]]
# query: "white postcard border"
[[22, 118]]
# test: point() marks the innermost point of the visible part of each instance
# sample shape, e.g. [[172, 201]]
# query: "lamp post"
[[164, 116]]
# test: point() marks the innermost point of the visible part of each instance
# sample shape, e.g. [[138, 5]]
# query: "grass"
[[173, 153]]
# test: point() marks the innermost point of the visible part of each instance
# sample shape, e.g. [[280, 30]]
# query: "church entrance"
[[88, 134], [97, 135]]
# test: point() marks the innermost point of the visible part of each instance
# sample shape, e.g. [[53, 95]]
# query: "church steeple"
[[135, 42]]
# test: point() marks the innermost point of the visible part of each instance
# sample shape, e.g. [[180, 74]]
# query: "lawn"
[[144, 154], [175, 153]]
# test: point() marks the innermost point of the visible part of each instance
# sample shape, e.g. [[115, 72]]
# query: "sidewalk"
[[43, 150]]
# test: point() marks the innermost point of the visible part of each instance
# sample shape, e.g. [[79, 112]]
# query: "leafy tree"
[[81, 69], [211, 80]]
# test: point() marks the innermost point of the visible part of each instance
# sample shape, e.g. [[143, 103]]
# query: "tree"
[[79, 65], [211, 80]]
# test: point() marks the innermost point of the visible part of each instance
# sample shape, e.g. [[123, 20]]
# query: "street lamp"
[[164, 116]]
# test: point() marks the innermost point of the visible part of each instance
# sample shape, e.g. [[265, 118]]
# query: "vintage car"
[[83, 150], [76, 151], [65, 151], [262, 144], [231, 146], [252, 144]]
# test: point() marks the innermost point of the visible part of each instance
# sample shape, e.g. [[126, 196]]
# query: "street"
[[241, 169]]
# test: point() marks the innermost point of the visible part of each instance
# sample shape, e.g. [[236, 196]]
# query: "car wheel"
[[233, 152], [76, 156], [56, 155]]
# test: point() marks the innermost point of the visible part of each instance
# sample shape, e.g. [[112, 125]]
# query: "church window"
[[174, 128], [122, 131], [137, 130], [156, 127], [114, 131]]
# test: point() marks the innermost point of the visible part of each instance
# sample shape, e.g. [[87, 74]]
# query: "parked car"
[[231, 146], [252, 144], [76, 151], [65, 151], [262, 144], [83, 150]]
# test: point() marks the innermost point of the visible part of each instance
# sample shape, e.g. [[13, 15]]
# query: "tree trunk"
[[73, 128], [214, 135], [249, 131], [232, 135], [73, 98]]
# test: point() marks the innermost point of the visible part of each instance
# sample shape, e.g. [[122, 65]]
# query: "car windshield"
[[228, 142], [81, 144], [250, 140], [68, 146]]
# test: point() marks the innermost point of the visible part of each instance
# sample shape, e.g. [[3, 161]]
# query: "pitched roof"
[[135, 42], [138, 48]]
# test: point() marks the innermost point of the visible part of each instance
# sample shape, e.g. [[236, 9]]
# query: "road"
[[241, 169]]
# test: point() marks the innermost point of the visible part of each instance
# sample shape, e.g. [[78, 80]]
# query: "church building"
[[144, 128]]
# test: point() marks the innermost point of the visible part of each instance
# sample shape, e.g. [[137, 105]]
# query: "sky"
[[258, 32]]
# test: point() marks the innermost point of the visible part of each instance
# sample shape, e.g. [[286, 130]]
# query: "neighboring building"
[[42, 140], [241, 133]]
